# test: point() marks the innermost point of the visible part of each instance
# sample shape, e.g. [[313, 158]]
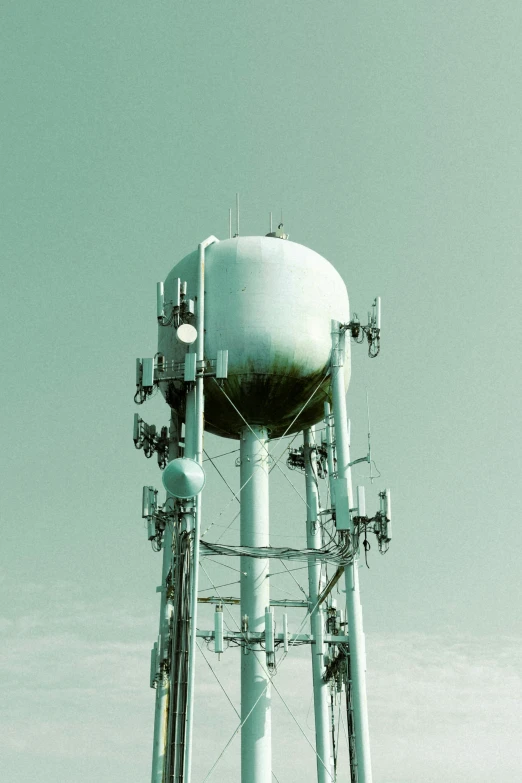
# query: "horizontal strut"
[[329, 638], [273, 601], [331, 584]]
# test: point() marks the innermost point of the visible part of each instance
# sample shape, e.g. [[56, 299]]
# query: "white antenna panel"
[[218, 630], [361, 501], [147, 380], [148, 505], [160, 300], [387, 508]]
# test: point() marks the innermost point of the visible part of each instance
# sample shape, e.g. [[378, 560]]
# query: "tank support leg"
[[353, 603], [196, 433], [313, 541], [159, 748], [256, 740]]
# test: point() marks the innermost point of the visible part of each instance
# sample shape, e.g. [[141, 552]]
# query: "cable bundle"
[[338, 553]]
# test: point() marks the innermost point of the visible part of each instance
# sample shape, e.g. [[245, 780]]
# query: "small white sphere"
[[183, 478], [187, 334]]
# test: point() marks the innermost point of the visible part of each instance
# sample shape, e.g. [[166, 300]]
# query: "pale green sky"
[[390, 134]]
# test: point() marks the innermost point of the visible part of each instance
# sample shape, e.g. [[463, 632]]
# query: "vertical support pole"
[[256, 740], [313, 541], [195, 436], [353, 603], [190, 418], [193, 450], [330, 449], [159, 747]]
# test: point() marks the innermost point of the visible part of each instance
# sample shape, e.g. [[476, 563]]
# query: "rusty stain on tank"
[[268, 398]]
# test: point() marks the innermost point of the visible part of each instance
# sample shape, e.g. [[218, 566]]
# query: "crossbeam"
[[273, 601], [307, 638], [331, 584]]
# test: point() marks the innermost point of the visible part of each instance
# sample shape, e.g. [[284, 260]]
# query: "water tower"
[[254, 345]]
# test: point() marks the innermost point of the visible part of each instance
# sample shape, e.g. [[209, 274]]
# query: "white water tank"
[[270, 303]]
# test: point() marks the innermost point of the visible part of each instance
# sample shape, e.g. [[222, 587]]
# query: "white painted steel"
[[190, 415], [388, 504], [159, 746], [176, 298], [256, 739], [327, 638], [361, 502], [330, 449], [285, 632], [269, 631], [151, 528], [147, 378], [269, 302], [196, 441], [153, 665], [386, 510], [200, 344], [148, 502], [159, 753], [218, 630], [222, 365], [317, 619], [160, 299], [186, 334], [183, 478], [342, 495], [353, 604]]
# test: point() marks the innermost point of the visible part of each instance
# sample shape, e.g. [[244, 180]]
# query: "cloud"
[[74, 677], [445, 708], [76, 703]]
